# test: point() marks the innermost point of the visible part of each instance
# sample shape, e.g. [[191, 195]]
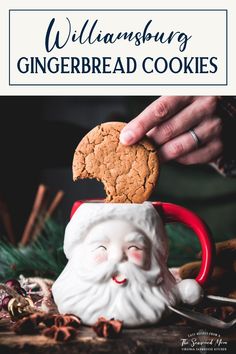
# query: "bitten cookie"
[[129, 173]]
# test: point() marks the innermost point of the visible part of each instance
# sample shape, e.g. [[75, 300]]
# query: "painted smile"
[[119, 279]]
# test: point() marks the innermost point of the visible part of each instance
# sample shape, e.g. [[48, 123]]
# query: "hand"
[[168, 121]]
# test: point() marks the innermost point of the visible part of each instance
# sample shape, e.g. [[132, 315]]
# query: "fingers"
[[205, 154], [157, 112], [189, 117], [208, 131], [168, 121]]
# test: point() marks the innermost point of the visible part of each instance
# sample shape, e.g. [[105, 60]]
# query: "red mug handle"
[[174, 213]]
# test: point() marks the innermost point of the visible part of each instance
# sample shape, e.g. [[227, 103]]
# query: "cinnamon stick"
[[35, 214], [56, 201], [52, 207], [223, 247], [7, 222]]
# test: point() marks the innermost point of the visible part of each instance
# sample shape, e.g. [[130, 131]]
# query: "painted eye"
[[133, 247], [102, 247]]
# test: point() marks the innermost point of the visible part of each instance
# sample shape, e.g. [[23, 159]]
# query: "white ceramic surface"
[[117, 266]]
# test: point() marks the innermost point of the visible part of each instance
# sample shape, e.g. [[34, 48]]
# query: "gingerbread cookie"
[[129, 173]]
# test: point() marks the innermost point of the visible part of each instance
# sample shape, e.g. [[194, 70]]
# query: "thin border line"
[[120, 10], [118, 85], [9, 50], [147, 10], [226, 45]]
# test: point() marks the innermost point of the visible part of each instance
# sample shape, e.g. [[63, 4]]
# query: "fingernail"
[[127, 137]]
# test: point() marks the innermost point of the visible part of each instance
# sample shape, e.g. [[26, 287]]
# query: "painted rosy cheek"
[[100, 255], [136, 255]]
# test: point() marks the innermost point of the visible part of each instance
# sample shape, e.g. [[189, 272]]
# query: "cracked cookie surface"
[[129, 173]]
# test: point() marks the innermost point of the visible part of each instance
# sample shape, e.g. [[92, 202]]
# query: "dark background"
[[37, 142]]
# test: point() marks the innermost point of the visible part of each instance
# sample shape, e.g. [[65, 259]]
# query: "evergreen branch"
[[43, 257]]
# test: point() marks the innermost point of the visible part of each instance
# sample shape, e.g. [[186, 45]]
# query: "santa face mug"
[[117, 262]]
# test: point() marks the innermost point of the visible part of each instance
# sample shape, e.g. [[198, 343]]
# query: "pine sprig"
[[43, 257], [183, 245]]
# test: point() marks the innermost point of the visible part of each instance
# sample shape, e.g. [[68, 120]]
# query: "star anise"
[[29, 324], [60, 334], [60, 327], [107, 328], [34, 323], [67, 320]]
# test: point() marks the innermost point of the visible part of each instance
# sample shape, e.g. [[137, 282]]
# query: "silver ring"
[[195, 138]]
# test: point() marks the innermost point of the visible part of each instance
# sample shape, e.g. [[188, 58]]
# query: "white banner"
[[126, 50], [141, 47]]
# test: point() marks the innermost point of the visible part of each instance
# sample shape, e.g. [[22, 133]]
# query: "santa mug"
[[117, 262]]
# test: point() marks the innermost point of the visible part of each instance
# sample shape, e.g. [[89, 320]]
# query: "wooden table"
[[163, 339]]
